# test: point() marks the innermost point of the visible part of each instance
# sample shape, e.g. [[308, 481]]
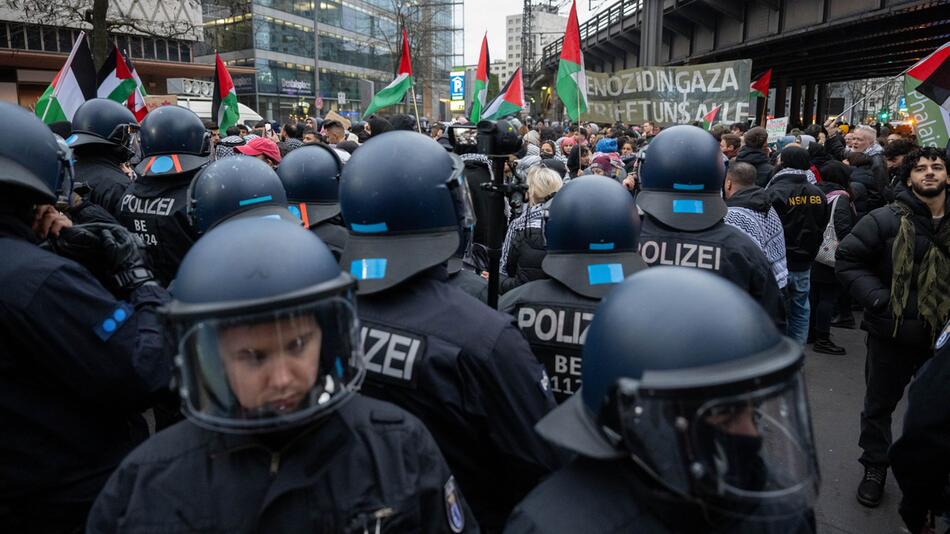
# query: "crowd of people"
[[285, 327]]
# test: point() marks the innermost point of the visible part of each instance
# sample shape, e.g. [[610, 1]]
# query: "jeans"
[[799, 308], [887, 371]]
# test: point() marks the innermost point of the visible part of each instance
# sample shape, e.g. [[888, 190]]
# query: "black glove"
[[86, 212], [112, 253]]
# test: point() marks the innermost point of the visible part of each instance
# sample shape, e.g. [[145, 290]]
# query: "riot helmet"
[[592, 250], [101, 121], [34, 166], [266, 340], [173, 141], [681, 179], [406, 207], [311, 178], [699, 390], [239, 186]]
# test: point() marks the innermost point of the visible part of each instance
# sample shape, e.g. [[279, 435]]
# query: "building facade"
[[545, 29], [312, 57]]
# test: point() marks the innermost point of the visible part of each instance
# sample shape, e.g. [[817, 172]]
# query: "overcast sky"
[[481, 15]]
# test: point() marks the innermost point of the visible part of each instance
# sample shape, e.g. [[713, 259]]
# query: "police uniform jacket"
[[368, 465], [804, 211], [554, 319], [864, 265], [920, 458], [606, 497], [76, 368], [469, 374], [155, 208], [722, 249], [105, 180], [471, 283]]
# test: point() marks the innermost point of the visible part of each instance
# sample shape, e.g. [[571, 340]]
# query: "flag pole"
[[69, 61], [415, 106], [875, 91]]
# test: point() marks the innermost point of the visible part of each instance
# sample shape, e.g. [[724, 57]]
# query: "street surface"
[[836, 392]]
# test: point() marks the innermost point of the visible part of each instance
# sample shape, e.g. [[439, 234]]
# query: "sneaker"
[[826, 346], [871, 488]]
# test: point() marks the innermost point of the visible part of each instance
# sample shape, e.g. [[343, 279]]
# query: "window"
[[50, 43], [17, 37], [161, 50], [33, 38]]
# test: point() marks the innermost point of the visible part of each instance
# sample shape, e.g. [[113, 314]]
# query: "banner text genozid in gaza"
[[670, 95]]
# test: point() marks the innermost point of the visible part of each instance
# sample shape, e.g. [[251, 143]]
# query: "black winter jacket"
[[526, 252], [867, 196], [804, 212], [864, 266], [758, 159], [369, 465]]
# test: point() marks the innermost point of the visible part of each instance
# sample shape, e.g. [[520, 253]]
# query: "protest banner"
[[670, 95], [776, 128]]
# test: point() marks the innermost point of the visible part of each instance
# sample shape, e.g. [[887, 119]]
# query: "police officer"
[[690, 419], [276, 437], [681, 195], [921, 457], [589, 252], [236, 187], [78, 366], [461, 367], [101, 141], [311, 177], [175, 145]]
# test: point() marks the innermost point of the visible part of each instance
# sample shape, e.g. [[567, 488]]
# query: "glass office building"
[[305, 49]]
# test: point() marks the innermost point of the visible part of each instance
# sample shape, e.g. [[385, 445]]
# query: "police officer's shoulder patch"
[[454, 514], [944, 336]]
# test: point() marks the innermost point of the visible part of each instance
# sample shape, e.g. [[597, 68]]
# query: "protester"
[[751, 211], [263, 149], [754, 152], [291, 137], [730, 145], [524, 247], [804, 212], [825, 288]]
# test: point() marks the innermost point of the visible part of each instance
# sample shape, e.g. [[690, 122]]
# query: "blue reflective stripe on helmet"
[[369, 228], [604, 273], [295, 210], [601, 246], [687, 206], [255, 200], [162, 164], [688, 187], [71, 139], [368, 268]]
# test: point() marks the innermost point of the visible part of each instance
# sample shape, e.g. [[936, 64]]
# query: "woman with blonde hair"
[[524, 247]]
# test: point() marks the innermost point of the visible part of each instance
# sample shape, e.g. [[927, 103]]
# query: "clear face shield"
[[270, 370], [464, 206], [67, 175], [750, 455]]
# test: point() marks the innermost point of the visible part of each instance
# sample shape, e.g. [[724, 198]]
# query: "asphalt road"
[[836, 392]]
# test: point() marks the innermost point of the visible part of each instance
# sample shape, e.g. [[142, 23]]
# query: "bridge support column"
[[778, 110], [808, 110], [651, 33], [760, 105], [795, 107], [822, 108]]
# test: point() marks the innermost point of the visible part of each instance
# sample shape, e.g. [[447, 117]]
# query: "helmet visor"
[[271, 370], [750, 454], [461, 195]]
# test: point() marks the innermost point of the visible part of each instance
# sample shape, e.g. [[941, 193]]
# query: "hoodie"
[[758, 159], [751, 211]]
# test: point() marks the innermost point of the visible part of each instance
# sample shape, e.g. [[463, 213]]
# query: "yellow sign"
[[457, 105]]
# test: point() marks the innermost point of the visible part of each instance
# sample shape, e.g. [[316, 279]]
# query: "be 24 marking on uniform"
[[391, 355], [556, 335]]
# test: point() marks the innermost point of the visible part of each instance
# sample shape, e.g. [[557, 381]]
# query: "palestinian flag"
[[136, 101], [933, 72], [224, 105], [115, 79], [710, 118], [396, 90], [509, 102], [571, 80], [760, 86], [481, 83], [73, 85]]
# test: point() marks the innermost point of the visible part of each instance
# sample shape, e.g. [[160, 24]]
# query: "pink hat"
[[258, 146]]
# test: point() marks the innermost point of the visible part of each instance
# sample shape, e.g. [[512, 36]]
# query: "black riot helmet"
[[265, 328], [592, 250], [239, 186], [311, 177], [174, 141], [681, 179], [101, 121], [700, 390], [34, 166], [406, 206]]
